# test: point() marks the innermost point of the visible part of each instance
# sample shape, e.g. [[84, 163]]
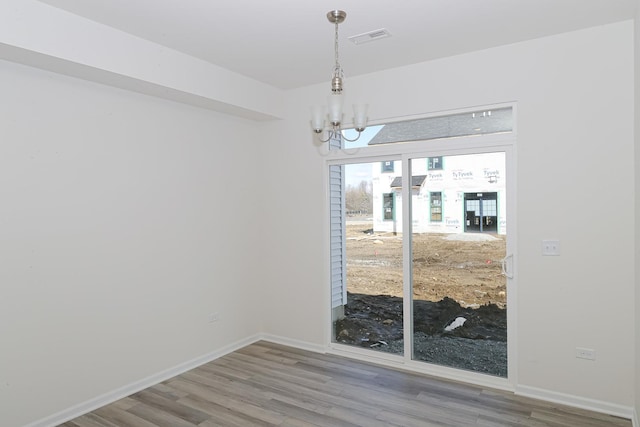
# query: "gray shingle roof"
[[416, 181], [464, 124]]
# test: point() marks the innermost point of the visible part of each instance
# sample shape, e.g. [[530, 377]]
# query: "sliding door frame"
[[442, 147]]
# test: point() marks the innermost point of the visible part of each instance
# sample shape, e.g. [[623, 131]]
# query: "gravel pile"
[[478, 344], [484, 356]]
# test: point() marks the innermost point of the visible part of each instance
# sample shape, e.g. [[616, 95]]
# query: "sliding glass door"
[[421, 265], [458, 242]]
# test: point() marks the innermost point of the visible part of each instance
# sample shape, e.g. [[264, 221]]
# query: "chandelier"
[[329, 118]]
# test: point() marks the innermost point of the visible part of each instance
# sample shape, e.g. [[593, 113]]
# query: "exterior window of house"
[[480, 122], [434, 163], [387, 166], [388, 206], [436, 206], [490, 207]]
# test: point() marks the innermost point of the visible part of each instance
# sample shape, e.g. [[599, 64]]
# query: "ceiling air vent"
[[370, 36]]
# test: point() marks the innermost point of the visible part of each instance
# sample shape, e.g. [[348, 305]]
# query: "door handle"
[[506, 263]]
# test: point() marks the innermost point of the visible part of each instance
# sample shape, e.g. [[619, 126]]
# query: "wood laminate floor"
[[266, 384]]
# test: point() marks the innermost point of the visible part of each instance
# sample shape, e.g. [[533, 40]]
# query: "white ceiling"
[[289, 43]]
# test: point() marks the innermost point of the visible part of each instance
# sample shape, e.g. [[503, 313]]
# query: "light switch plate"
[[551, 247], [585, 353]]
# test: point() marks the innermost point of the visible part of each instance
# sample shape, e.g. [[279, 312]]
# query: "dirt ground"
[[468, 271], [453, 276]]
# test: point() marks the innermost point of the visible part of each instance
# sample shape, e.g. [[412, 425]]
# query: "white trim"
[[302, 345], [441, 113], [136, 386], [450, 146], [467, 377], [418, 367], [511, 251], [326, 256], [382, 359], [367, 355], [407, 254], [578, 402], [473, 378]]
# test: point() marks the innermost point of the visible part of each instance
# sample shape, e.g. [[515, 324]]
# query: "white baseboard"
[[129, 389], [302, 345], [398, 362], [608, 408]]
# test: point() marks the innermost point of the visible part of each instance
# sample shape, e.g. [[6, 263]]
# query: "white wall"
[[574, 159], [40, 35], [125, 221], [637, 208]]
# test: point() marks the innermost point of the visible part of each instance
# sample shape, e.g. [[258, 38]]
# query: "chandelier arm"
[[352, 140], [330, 135]]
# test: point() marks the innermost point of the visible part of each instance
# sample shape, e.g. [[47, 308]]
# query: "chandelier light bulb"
[[360, 116], [317, 118], [335, 109]]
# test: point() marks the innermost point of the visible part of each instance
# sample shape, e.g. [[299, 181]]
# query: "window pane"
[[387, 206], [436, 206], [458, 291], [434, 163], [479, 122], [369, 312]]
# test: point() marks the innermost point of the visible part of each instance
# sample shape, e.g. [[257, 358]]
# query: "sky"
[[358, 172]]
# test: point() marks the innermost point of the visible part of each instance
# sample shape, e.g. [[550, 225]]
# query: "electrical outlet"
[[214, 317], [585, 353], [551, 247]]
